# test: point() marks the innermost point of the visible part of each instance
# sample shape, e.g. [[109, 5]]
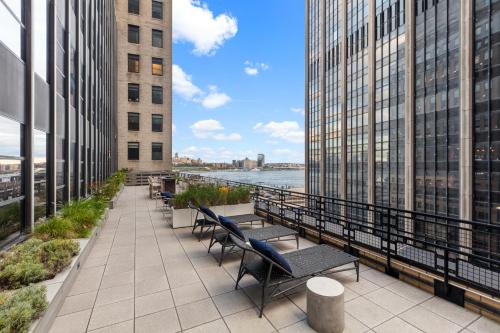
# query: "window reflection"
[[10, 219], [11, 32], [40, 40], [40, 169]]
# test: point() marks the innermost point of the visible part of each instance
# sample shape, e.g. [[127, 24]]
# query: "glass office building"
[[389, 83], [57, 106]]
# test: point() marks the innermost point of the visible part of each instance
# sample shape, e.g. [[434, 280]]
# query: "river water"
[[280, 178]]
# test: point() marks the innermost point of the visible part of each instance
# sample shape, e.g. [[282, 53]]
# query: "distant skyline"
[[238, 80]]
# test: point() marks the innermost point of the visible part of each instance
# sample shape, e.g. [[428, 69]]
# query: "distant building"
[[261, 160], [249, 164]]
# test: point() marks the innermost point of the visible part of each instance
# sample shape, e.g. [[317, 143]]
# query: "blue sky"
[[238, 78]]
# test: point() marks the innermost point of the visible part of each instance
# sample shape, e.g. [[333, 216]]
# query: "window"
[[133, 121], [12, 32], [133, 151], [157, 38], [133, 6], [133, 34], [157, 66], [133, 63], [157, 151], [157, 9], [157, 95], [157, 123], [133, 92]]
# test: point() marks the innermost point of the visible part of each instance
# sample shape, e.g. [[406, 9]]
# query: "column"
[[52, 160], [322, 72], [306, 97], [29, 178], [410, 107], [67, 105], [343, 63], [371, 102]]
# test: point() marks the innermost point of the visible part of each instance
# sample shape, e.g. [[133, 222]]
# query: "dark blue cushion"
[[208, 212], [231, 226], [166, 194], [267, 250]]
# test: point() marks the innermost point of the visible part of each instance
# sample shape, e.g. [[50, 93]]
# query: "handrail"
[[467, 252]]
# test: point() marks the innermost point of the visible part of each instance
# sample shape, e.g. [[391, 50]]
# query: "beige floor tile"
[[450, 311], [232, 302], [115, 294], [362, 287], [153, 303], [369, 313], [151, 286], [352, 325], [182, 277], [248, 321], [390, 301], [75, 322], [377, 277], [111, 314], [300, 299], [189, 293], [283, 312], [160, 322], [78, 303], [124, 327], [409, 292], [300, 327], [95, 261], [396, 325], [428, 321], [217, 326], [216, 280], [149, 272], [119, 268], [197, 313], [117, 279], [484, 325]]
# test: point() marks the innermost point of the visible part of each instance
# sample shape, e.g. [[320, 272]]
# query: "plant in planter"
[[223, 200], [19, 308], [35, 260]]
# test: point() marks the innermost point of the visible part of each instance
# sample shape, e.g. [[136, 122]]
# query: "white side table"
[[325, 305]]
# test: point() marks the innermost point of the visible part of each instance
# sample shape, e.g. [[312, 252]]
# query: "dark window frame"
[[138, 98], [156, 127], [153, 152], [136, 59], [133, 155], [134, 7], [132, 30], [154, 91], [153, 12], [159, 33], [133, 126], [156, 61]]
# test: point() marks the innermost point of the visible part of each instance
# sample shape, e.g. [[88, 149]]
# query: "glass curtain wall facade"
[[57, 110], [422, 135]]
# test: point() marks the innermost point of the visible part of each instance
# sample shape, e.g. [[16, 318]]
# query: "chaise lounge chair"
[[208, 224], [272, 270], [229, 227]]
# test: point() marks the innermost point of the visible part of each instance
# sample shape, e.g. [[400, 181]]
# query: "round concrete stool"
[[325, 305]]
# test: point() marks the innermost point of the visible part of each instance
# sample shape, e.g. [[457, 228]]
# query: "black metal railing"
[[465, 252]]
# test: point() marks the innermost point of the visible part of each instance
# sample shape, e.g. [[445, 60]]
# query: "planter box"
[[182, 218], [112, 202], [59, 287]]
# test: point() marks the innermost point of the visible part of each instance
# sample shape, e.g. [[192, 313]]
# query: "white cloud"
[[195, 23], [174, 128], [215, 99], [253, 69], [183, 86], [289, 131], [219, 154], [211, 129], [298, 110]]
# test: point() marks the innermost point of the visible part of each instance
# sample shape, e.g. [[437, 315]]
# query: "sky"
[[238, 79]]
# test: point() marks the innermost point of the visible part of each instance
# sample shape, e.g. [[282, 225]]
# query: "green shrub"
[[55, 227], [35, 260], [212, 195], [83, 215], [19, 309]]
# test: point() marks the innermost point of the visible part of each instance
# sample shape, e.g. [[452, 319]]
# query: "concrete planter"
[[185, 217], [59, 287], [112, 202]]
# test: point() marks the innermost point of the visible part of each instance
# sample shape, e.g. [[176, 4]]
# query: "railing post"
[[446, 270], [388, 241], [321, 219]]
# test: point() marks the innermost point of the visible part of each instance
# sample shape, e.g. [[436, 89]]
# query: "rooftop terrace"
[[143, 276]]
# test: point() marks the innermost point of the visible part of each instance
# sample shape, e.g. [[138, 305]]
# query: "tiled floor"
[[142, 276]]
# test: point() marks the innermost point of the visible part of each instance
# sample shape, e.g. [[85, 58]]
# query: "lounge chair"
[[204, 223], [272, 270], [229, 227]]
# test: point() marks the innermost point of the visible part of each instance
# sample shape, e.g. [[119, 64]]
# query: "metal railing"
[[455, 250]]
